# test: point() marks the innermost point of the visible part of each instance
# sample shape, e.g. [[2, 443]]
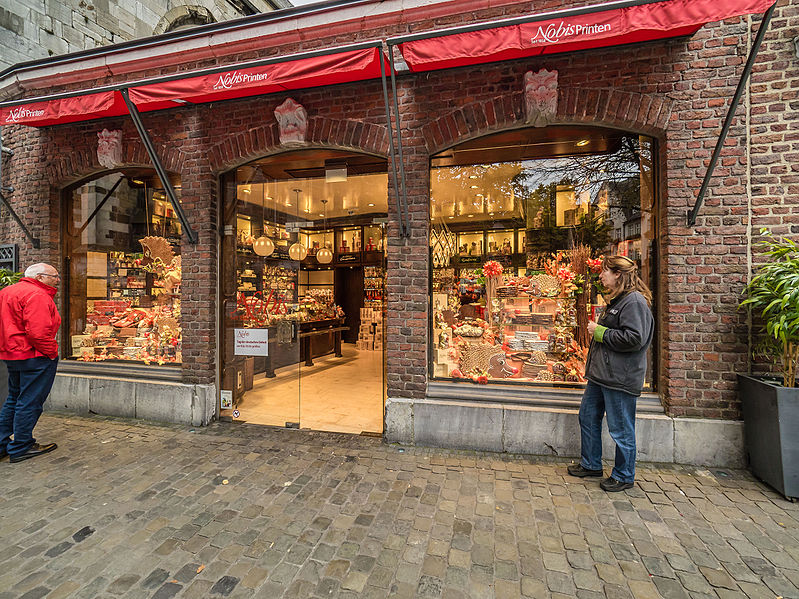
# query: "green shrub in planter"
[[771, 410], [773, 297]]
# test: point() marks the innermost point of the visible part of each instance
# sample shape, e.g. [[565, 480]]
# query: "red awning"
[[610, 27], [313, 71], [345, 67], [64, 110]]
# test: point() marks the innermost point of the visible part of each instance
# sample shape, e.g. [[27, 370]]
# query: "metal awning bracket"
[[34, 240], [725, 129], [392, 156], [159, 168]]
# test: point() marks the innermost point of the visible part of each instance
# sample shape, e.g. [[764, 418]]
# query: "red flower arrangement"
[[492, 268], [566, 275], [595, 265]]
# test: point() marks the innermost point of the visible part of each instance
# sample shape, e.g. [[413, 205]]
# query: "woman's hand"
[[591, 326]]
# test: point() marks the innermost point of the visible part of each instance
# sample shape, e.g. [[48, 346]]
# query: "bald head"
[[43, 272]]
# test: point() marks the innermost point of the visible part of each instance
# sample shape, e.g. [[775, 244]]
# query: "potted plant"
[[7, 277], [771, 405]]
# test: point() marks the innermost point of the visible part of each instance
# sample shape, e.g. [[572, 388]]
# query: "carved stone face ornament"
[[541, 97], [109, 148], [292, 120]]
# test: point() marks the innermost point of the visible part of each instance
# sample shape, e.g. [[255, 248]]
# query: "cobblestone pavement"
[[125, 509]]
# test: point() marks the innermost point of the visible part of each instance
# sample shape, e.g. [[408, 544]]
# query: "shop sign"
[[296, 226], [380, 220], [251, 342], [348, 258], [226, 397], [470, 259]]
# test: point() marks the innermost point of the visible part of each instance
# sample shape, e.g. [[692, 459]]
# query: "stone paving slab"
[[127, 509]]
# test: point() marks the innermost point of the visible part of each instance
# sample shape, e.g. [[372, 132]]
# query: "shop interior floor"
[[335, 394]]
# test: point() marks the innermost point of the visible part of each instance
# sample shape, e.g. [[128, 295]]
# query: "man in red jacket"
[[29, 322]]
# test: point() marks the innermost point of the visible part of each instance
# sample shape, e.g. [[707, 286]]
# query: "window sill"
[[540, 397], [123, 371]]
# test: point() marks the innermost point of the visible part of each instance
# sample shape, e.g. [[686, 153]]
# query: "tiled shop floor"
[[130, 509]]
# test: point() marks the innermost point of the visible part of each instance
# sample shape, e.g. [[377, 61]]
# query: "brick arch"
[[322, 132], [80, 162], [595, 106]]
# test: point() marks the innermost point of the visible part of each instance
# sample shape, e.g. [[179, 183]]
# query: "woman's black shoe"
[[579, 471], [611, 485], [35, 450]]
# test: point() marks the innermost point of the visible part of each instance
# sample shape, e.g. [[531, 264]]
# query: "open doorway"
[[303, 276]]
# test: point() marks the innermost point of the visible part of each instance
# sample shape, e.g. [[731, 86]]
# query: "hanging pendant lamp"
[[324, 255], [263, 246], [297, 251]]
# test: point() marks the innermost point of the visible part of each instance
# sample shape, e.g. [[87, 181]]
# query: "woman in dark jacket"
[[615, 369]]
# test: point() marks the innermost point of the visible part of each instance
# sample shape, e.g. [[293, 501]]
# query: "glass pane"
[[314, 242], [512, 295], [123, 251]]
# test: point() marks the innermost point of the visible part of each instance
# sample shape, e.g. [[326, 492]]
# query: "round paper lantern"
[[324, 256], [263, 246], [298, 251]]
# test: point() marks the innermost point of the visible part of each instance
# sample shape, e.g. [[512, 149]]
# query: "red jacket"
[[29, 321]]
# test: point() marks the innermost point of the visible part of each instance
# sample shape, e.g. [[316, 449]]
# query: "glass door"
[[262, 338]]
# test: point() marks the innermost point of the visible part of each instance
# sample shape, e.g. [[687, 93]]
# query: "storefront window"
[[519, 224], [123, 256]]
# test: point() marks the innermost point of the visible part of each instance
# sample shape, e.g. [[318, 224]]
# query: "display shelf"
[[132, 313], [529, 337], [373, 286]]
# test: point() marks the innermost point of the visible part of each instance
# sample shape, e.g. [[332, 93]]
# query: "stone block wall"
[[31, 30]]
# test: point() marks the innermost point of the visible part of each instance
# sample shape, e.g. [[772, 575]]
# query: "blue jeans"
[[620, 409], [29, 384]]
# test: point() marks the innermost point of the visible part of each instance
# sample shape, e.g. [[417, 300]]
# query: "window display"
[[513, 302], [124, 273]]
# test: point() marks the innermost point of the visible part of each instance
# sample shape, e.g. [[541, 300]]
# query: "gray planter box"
[[771, 422]]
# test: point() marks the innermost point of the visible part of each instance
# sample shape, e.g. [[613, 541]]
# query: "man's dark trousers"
[[29, 384]]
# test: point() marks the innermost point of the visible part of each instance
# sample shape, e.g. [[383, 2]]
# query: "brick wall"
[[676, 91]]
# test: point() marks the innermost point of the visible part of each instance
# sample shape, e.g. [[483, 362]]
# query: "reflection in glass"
[[513, 303], [123, 249]]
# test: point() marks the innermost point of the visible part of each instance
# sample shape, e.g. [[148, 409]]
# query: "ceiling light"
[[306, 211], [322, 215], [263, 246], [473, 187], [246, 190], [450, 217], [583, 142], [298, 252], [324, 256], [371, 205], [137, 182], [469, 215], [288, 204], [473, 176]]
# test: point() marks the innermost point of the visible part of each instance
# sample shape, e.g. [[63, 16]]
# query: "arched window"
[[184, 17], [123, 265], [535, 208]]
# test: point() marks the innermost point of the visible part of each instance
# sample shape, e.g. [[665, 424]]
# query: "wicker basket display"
[[478, 356]]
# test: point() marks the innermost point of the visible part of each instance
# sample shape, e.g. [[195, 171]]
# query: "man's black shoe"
[[35, 450], [611, 485], [578, 470]]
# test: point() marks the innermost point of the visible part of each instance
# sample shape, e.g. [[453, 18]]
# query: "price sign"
[[251, 342]]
